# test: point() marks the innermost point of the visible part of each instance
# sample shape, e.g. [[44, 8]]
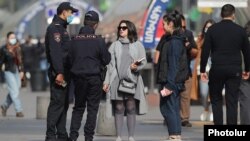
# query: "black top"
[[57, 42], [162, 41], [162, 65], [12, 62], [225, 40], [189, 38], [88, 53]]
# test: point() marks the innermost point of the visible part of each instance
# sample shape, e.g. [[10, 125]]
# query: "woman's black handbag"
[[127, 87]]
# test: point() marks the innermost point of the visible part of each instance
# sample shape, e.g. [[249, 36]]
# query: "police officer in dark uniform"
[[57, 43], [87, 54]]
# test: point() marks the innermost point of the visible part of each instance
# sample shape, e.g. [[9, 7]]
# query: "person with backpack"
[[173, 71]]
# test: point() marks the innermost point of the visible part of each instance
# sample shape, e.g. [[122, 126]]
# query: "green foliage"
[[104, 5], [3, 3], [194, 14]]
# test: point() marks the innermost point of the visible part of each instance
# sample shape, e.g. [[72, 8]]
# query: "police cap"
[[91, 16], [65, 6]]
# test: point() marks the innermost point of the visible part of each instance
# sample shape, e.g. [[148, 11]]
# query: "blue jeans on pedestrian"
[[170, 110], [13, 82]]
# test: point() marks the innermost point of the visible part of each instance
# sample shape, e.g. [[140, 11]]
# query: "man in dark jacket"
[[186, 94], [57, 43], [88, 53], [225, 41]]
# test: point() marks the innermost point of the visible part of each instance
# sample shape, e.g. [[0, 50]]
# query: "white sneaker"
[[204, 116], [118, 138], [210, 118], [177, 138], [131, 139]]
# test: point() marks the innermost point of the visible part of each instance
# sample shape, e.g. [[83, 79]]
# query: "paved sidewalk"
[[149, 127]]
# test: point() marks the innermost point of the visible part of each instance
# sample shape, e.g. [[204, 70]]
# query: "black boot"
[[50, 139], [88, 139]]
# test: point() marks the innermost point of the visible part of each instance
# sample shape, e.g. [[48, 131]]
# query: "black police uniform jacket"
[[88, 53], [57, 42]]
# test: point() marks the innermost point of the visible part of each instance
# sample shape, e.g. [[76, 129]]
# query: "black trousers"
[[57, 111], [228, 77], [88, 92], [71, 92]]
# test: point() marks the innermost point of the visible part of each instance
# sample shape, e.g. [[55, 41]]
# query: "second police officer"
[[87, 55]]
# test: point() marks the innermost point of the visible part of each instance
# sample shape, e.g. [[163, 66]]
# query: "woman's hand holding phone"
[[138, 62]]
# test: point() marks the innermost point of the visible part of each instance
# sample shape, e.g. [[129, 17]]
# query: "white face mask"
[[12, 41]]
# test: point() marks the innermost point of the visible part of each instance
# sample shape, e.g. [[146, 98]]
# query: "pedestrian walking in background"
[[244, 95], [87, 55], [29, 55], [175, 72], [186, 94], [224, 42], [207, 115], [127, 59], [57, 43], [11, 58]]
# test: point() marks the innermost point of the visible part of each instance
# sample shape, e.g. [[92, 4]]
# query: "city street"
[[176, 41], [148, 128]]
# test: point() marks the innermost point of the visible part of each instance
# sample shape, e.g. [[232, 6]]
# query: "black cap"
[[65, 6], [92, 16]]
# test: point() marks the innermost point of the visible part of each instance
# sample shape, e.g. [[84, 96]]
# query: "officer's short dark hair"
[[91, 18], [9, 33], [227, 10], [132, 32], [90, 23]]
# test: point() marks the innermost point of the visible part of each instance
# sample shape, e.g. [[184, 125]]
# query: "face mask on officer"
[[12, 41], [70, 19], [69, 16]]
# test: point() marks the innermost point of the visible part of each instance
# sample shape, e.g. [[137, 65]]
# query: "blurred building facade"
[[30, 17], [14, 12]]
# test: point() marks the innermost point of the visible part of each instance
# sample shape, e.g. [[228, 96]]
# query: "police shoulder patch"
[[57, 37]]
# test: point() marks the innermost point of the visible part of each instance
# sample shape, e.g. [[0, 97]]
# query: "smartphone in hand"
[[166, 92], [138, 62]]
